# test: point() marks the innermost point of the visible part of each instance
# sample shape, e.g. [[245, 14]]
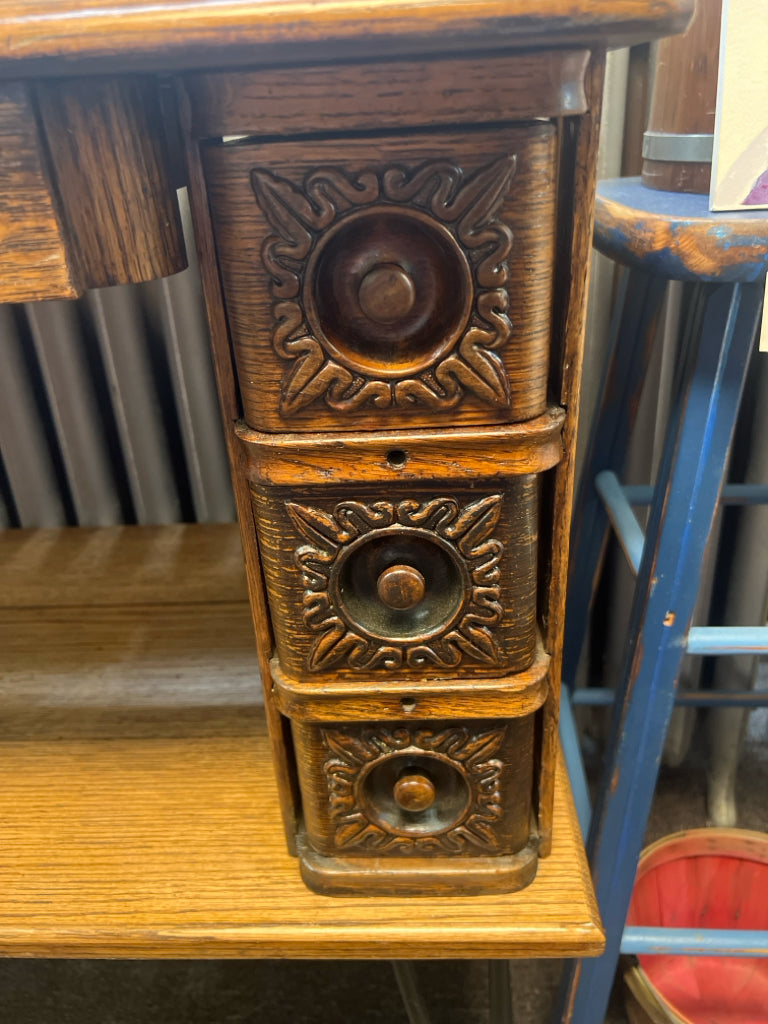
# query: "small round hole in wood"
[[408, 704], [397, 458]]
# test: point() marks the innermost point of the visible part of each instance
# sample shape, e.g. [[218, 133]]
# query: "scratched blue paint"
[[695, 941], [685, 499], [732, 231]]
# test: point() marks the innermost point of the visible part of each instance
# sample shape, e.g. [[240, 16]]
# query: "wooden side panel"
[[397, 94], [578, 180], [105, 139], [33, 255], [278, 727]]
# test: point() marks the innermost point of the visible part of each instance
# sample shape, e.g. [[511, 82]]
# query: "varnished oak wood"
[[82, 34], [107, 149], [325, 458], [521, 693], [138, 814], [71, 568], [345, 876], [33, 253], [85, 195], [483, 774], [579, 166], [229, 406], [477, 352], [397, 94]]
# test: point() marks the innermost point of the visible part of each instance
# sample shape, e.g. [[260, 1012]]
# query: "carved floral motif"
[[467, 206], [466, 531], [470, 753]]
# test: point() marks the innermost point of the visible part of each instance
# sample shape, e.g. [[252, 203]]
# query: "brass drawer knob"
[[401, 587], [414, 792]]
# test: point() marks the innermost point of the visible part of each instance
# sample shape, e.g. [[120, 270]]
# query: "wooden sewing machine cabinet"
[[392, 206]]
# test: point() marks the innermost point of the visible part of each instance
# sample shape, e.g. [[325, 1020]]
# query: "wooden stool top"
[[674, 235]]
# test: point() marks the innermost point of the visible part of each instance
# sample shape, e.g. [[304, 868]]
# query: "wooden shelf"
[[138, 814]]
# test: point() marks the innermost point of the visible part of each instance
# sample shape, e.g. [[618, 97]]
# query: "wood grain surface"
[[578, 181], [79, 567], [684, 97], [230, 408], [34, 263], [521, 693], [98, 33], [395, 94], [395, 456], [107, 148], [140, 819], [291, 382], [674, 235], [479, 618], [348, 810]]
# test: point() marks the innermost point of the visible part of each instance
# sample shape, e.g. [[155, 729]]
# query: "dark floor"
[[302, 992]]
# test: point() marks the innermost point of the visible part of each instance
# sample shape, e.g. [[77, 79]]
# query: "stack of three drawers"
[[389, 297]]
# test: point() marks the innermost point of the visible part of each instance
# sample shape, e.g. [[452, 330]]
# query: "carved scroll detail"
[[470, 753], [467, 531], [466, 205]]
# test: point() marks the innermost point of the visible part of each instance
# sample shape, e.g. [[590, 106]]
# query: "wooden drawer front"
[[392, 281], [428, 580], [418, 789]]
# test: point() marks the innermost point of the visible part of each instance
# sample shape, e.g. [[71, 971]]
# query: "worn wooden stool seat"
[[675, 236]]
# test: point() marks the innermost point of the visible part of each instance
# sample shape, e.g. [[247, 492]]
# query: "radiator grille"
[[108, 409]]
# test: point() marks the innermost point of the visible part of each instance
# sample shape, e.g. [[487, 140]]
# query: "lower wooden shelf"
[[138, 814]]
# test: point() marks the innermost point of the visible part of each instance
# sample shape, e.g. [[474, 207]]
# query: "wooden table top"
[[78, 36], [138, 812]]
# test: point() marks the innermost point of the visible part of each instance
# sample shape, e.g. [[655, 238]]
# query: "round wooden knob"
[[386, 293], [414, 792], [401, 587]]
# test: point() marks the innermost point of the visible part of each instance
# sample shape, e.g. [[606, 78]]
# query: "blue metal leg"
[[686, 493], [630, 344]]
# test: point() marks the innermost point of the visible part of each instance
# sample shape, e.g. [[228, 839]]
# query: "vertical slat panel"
[[80, 432], [123, 344], [27, 458], [179, 307]]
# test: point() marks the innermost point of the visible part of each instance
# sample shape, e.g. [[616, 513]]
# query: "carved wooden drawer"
[[388, 281], [417, 776], [424, 790], [388, 557]]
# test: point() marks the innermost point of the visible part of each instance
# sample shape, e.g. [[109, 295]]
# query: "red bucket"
[[703, 878]]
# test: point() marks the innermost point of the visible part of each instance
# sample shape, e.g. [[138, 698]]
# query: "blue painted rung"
[[702, 640], [695, 941], [569, 737], [733, 494], [597, 696], [628, 530], [727, 640]]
